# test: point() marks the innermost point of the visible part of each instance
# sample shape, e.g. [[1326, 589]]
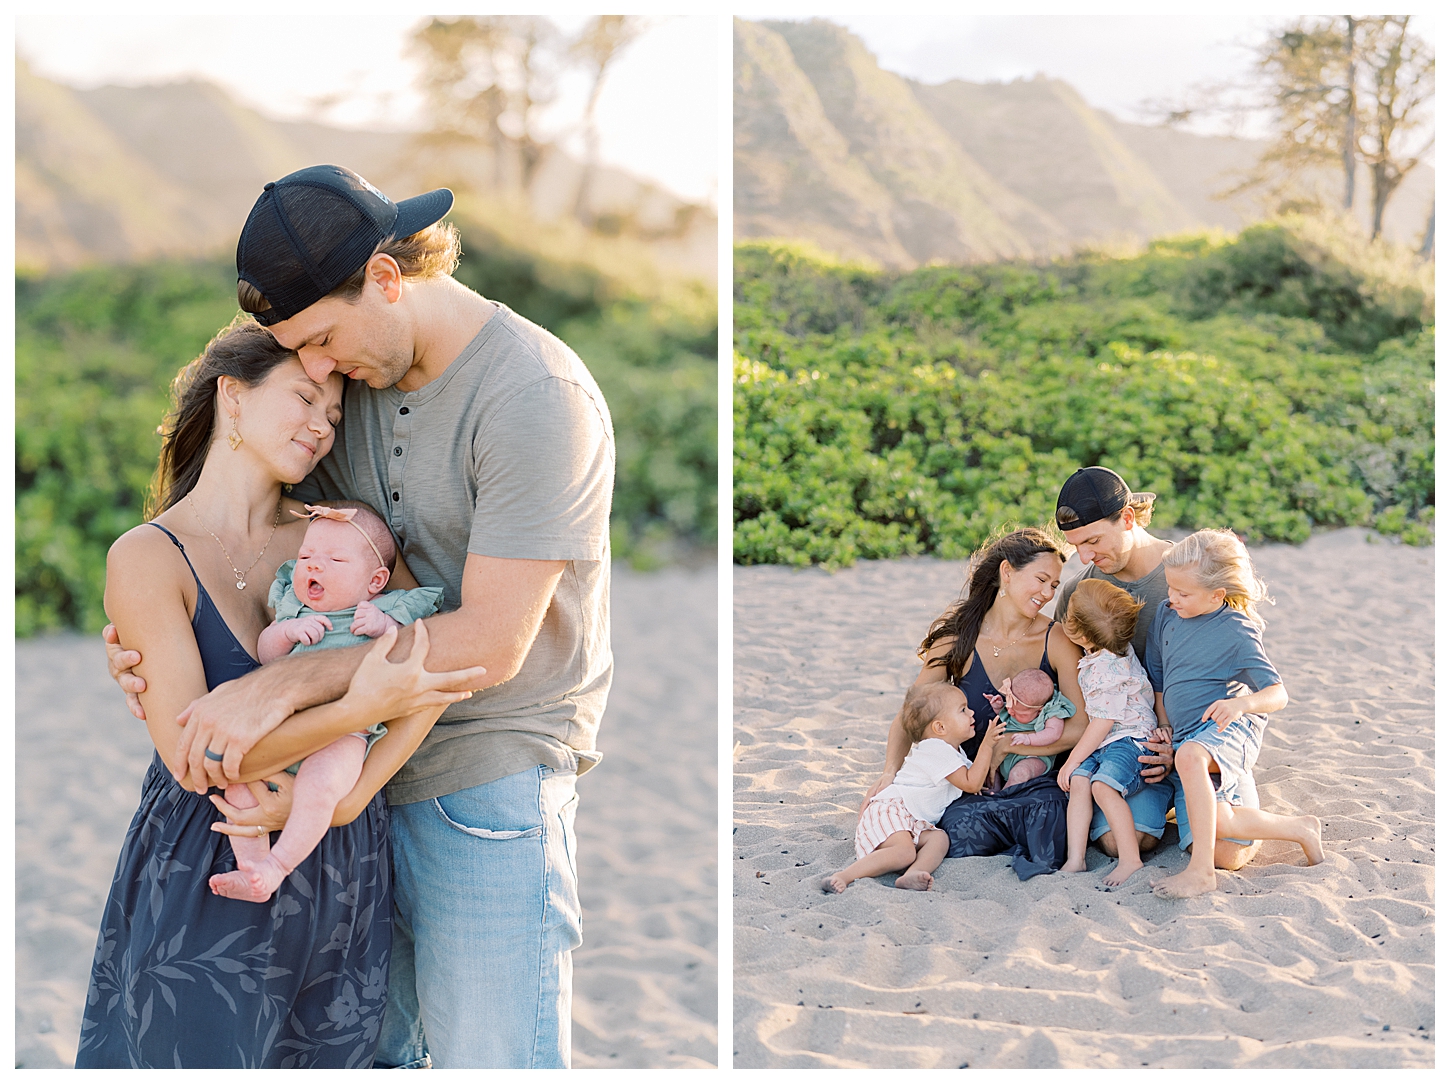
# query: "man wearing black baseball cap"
[[1105, 521], [486, 444]]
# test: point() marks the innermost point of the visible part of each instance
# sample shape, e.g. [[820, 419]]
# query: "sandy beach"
[[645, 978], [1284, 966]]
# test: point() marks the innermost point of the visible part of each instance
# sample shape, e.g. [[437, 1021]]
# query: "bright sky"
[[657, 113], [1116, 59]]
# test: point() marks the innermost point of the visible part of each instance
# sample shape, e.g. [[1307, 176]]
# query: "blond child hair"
[[1104, 615], [1217, 560]]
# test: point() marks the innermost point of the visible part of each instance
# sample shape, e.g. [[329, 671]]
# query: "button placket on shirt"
[[402, 431]]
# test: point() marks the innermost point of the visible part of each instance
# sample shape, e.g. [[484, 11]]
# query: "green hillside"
[[96, 351], [1272, 384]]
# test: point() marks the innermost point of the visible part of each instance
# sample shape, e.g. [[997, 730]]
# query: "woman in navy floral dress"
[[183, 978]]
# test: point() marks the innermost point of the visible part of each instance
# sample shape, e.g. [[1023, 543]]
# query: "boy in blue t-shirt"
[[1214, 686]]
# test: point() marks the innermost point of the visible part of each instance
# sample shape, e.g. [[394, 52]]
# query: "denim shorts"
[[1236, 751], [1115, 764]]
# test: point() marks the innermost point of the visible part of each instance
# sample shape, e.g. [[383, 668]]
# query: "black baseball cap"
[[311, 230], [1091, 494]]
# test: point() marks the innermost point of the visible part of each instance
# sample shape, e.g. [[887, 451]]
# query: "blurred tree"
[[485, 79], [1402, 67], [1348, 91], [597, 46]]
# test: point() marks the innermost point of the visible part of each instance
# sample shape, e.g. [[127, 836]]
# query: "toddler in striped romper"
[[897, 829]]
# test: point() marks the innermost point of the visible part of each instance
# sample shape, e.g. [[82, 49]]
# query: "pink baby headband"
[[342, 515]]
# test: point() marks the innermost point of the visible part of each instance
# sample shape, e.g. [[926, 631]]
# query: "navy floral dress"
[[183, 978]]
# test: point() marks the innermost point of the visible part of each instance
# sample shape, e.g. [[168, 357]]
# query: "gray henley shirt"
[[509, 453]]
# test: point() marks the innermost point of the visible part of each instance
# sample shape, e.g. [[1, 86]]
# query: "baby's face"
[[335, 567], [1023, 709]]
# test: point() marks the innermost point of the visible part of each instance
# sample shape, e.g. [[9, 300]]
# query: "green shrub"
[[880, 414], [96, 351], [94, 354]]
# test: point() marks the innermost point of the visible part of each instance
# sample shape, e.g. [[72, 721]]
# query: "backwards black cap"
[[1091, 494], [310, 231]]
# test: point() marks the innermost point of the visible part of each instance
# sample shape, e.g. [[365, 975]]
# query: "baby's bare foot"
[[1311, 839], [253, 882], [1075, 865], [1183, 885], [1125, 868], [836, 882], [917, 880]]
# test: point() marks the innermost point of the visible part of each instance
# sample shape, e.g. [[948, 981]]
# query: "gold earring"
[[234, 438]]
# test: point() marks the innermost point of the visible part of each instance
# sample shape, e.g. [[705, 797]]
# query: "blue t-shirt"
[[1196, 660]]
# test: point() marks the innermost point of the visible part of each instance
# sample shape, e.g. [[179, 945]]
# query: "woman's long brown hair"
[[963, 620], [244, 350]]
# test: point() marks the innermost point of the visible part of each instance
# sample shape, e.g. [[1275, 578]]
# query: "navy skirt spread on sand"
[[1028, 822], [185, 978]]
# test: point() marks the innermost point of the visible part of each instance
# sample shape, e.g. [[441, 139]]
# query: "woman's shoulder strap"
[[177, 543]]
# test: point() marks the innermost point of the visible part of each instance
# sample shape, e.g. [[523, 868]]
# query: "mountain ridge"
[[832, 149], [117, 174]]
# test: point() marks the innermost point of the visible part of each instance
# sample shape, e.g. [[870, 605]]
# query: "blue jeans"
[[485, 916], [1149, 807]]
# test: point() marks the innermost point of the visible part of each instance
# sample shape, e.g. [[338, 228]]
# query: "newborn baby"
[[1033, 710], [328, 597]]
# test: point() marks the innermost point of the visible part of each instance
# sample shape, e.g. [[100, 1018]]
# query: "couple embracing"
[[1154, 687], [372, 443]]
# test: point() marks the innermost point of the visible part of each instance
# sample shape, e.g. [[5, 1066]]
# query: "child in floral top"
[[1103, 767]]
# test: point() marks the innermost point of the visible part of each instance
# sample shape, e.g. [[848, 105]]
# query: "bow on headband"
[[341, 515]]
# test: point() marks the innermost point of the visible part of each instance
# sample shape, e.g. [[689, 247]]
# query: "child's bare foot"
[[1074, 865], [917, 880], [1183, 885], [1311, 839], [1125, 868], [836, 882], [253, 882]]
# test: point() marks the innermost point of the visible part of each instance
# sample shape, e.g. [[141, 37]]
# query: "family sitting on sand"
[[1183, 727]]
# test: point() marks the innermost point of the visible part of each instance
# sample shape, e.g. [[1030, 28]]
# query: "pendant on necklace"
[[996, 654], [241, 585]]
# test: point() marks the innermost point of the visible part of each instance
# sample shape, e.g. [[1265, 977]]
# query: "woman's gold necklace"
[[997, 651], [240, 573]]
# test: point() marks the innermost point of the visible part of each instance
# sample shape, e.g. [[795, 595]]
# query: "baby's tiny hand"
[[305, 630], [370, 621], [1020, 739], [996, 701]]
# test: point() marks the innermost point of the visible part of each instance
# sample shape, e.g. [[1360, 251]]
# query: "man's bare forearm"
[[457, 640], [308, 678]]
